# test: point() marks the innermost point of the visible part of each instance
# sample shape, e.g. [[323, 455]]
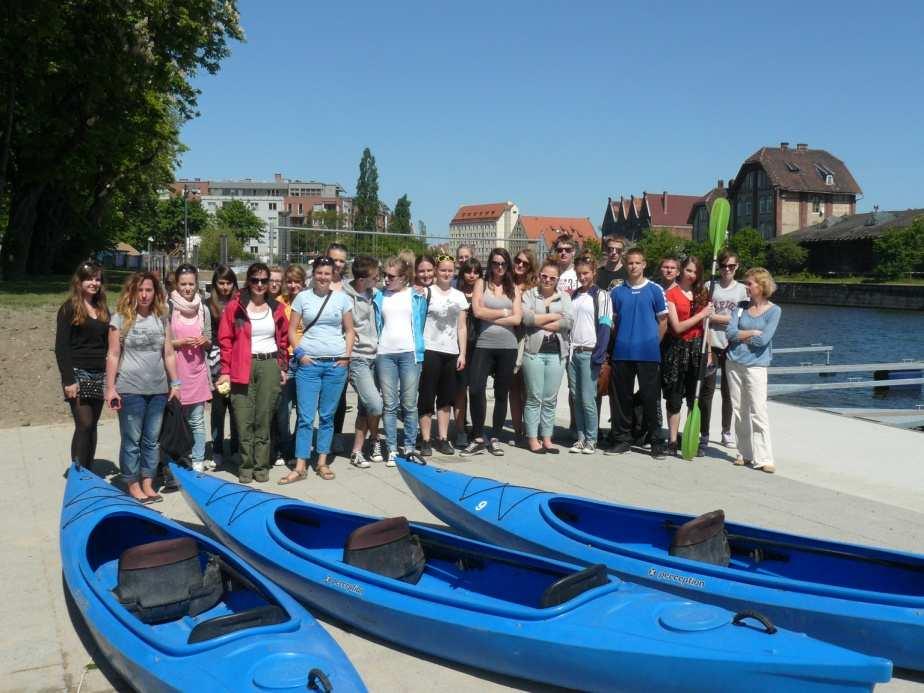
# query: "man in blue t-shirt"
[[640, 310]]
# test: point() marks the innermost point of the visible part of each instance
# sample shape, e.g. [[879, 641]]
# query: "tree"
[[786, 256], [900, 251], [366, 202], [166, 225], [658, 244], [92, 98], [592, 248], [240, 220], [210, 245], [751, 248], [328, 219], [401, 219]]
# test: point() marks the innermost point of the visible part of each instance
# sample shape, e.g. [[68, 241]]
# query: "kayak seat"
[[164, 580], [231, 623], [388, 548], [570, 586], [703, 539]]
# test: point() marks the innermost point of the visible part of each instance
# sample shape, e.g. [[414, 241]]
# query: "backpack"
[[175, 437]]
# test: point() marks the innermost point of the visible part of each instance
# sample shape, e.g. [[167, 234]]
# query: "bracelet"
[[175, 383]]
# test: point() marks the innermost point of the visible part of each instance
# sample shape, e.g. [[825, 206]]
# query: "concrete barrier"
[[900, 297]]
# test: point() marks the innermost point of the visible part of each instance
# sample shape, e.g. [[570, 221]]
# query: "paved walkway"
[[838, 478]]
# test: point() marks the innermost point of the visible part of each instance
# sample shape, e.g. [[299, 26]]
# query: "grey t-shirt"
[[725, 301], [496, 336], [141, 369]]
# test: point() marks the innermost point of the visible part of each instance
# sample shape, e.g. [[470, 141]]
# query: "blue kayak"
[[174, 611], [511, 612], [866, 599]]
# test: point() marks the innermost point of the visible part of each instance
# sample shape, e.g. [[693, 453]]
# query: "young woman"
[[224, 288], [750, 336], [140, 372], [253, 335], [294, 279], [525, 268], [469, 274], [687, 307], [592, 320], [80, 349], [276, 288], [497, 304], [445, 340], [323, 356], [192, 339], [400, 352], [547, 317], [424, 272]]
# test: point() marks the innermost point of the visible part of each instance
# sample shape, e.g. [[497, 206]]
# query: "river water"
[[858, 335]]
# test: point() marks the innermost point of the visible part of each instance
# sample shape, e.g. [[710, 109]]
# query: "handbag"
[[175, 437], [603, 380]]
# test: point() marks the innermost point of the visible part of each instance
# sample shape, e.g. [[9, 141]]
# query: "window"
[[272, 206], [829, 179], [816, 205], [254, 249]]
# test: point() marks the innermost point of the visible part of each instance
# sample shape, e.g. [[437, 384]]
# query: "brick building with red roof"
[[544, 231]]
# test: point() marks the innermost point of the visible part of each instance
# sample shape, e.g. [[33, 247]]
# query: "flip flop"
[[324, 472], [299, 476]]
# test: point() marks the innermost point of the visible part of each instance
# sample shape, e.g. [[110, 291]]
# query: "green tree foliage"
[[899, 252], [328, 219], [786, 256], [658, 244], [366, 202], [210, 245], [240, 220], [592, 247], [166, 225], [92, 97], [751, 248], [401, 219]]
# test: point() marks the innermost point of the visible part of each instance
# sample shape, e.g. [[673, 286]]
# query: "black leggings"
[[500, 362], [86, 413], [437, 382]]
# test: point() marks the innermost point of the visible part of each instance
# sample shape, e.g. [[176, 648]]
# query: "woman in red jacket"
[[253, 336]]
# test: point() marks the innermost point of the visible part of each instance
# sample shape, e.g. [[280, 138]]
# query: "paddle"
[[718, 226]]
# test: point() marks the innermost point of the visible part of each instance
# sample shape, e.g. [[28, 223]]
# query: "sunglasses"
[[520, 262], [499, 263], [262, 281], [548, 278], [445, 258], [729, 266], [565, 250]]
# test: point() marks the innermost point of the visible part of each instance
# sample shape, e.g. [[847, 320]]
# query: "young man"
[[613, 272], [726, 297], [641, 313], [566, 249], [362, 362], [667, 272]]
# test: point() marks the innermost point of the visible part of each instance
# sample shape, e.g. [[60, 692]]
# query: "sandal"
[[324, 472], [289, 479]]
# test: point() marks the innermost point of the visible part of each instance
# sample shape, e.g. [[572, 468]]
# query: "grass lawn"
[[51, 290]]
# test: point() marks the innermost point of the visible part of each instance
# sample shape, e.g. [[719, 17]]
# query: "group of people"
[[417, 338]]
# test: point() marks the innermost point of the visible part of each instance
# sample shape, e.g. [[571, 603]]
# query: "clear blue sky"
[[556, 105]]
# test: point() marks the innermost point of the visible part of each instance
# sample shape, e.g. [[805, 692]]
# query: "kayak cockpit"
[[172, 590], [758, 553], [435, 565]]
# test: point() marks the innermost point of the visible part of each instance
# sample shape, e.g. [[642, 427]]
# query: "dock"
[[838, 478]]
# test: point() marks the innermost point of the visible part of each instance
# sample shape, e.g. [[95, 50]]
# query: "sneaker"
[[198, 467], [589, 448], [280, 462], [620, 448], [672, 450], [376, 455], [701, 448], [210, 465], [392, 460], [578, 447], [474, 448], [494, 448], [728, 440], [426, 450], [658, 451], [444, 448], [357, 460]]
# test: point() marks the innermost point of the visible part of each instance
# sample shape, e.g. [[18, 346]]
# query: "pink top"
[[191, 366]]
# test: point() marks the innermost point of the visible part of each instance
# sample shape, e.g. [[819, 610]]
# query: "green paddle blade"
[[718, 223], [690, 440]]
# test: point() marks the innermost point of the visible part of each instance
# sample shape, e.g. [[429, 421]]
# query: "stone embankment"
[[899, 297]]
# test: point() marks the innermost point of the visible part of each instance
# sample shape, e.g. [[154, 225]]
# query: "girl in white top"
[[445, 338]]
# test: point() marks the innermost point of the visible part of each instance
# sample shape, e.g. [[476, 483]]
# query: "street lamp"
[[185, 223], [150, 240]]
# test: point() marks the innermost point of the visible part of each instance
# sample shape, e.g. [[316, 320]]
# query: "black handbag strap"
[[311, 324]]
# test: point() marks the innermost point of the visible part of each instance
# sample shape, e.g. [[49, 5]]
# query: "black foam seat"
[[388, 548], [703, 539]]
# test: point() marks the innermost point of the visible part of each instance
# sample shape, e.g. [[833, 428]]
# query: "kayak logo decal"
[[343, 585], [494, 485], [675, 578]]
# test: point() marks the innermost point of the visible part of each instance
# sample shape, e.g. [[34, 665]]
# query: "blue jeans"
[[195, 419], [319, 386], [398, 376], [139, 425], [362, 377], [542, 375], [582, 381]]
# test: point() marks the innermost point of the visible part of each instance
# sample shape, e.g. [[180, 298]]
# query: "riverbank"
[[851, 295]]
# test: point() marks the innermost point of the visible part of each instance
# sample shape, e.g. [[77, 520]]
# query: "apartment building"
[[486, 226]]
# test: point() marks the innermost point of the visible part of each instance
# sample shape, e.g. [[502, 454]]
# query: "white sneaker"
[[211, 464], [392, 460], [578, 447], [589, 448], [357, 460], [216, 461], [280, 462], [377, 455], [198, 467], [728, 440]]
